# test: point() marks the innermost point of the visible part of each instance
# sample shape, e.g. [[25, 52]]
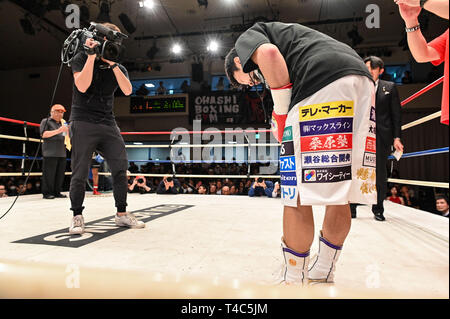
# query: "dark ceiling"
[[189, 21]]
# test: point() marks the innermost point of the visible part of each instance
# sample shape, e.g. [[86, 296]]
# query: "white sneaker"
[[129, 220], [77, 225]]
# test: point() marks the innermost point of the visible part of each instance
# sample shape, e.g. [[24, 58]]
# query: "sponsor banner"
[[288, 178], [371, 144], [373, 117], [326, 110], [326, 159], [370, 159], [287, 164], [326, 142], [229, 107], [328, 126], [288, 192], [327, 175], [287, 149], [287, 134]]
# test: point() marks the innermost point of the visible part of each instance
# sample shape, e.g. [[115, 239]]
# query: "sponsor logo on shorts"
[[287, 134], [288, 178], [309, 175], [326, 142], [288, 192], [287, 149], [328, 126], [287, 164], [327, 175], [370, 159], [326, 110], [100, 228], [315, 159], [371, 144], [373, 116]]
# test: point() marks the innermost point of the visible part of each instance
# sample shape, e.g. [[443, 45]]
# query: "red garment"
[[395, 199], [440, 44]]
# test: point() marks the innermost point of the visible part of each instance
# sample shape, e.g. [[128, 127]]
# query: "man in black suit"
[[388, 130]]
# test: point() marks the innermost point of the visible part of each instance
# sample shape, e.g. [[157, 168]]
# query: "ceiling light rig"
[[149, 4]]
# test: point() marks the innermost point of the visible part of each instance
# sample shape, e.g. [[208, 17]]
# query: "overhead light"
[[176, 48], [147, 4], [138, 143], [149, 85], [213, 46], [105, 7]]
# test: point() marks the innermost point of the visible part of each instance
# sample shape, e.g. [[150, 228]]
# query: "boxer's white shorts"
[[329, 148]]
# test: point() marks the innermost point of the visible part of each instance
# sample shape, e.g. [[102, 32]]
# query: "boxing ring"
[[211, 246]]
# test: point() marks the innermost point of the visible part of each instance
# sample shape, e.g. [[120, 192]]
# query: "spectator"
[[233, 190], [133, 168], [394, 196], [219, 186], [225, 190], [202, 190], [220, 85], [408, 196], [185, 87], [188, 188], [169, 185], [53, 132], [406, 79], [3, 191], [142, 90], [30, 189], [161, 90], [260, 187], [140, 185], [442, 205], [435, 51], [213, 189]]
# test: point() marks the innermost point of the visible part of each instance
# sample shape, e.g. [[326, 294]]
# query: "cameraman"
[[260, 187], [169, 185], [140, 185], [93, 127]]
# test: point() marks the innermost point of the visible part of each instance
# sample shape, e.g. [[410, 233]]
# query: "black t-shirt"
[[314, 59], [96, 104], [53, 146]]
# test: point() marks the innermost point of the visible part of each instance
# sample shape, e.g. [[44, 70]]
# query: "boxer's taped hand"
[[281, 101]]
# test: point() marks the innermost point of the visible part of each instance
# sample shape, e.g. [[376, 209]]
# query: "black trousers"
[[53, 169], [86, 138], [383, 152]]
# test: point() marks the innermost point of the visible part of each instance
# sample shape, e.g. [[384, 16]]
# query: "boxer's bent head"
[[235, 73]]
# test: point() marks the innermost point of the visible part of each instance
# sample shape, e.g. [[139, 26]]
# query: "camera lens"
[[169, 179], [260, 180], [111, 51], [140, 180]]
